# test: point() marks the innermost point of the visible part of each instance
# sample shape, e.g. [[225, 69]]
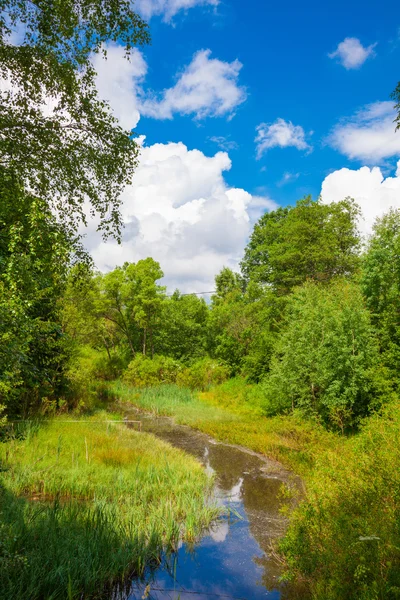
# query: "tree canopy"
[[57, 138], [311, 240]]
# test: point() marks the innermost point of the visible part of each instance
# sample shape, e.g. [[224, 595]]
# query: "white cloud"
[[224, 142], [118, 80], [180, 211], [287, 177], [168, 8], [374, 193], [369, 135], [280, 134], [352, 54], [207, 87]]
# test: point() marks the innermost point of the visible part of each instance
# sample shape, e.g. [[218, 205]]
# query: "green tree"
[[326, 359], [183, 329], [57, 139], [145, 298], [309, 241], [380, 281], [131, 300], [243, 324], [35, 254]]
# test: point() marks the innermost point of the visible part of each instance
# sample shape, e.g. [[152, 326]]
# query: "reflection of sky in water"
[[231, 560]]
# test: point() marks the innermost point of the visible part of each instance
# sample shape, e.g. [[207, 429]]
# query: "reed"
[[86, 505]]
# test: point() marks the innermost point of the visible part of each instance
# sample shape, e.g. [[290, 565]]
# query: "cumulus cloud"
[[370, 189], [207, 87], [352, 54], [168, 8], [369, 135], [180, 211], [280, 134], [118, 81]]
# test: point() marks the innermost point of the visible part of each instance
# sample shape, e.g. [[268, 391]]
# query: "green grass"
[[85, 505], [232, 413]]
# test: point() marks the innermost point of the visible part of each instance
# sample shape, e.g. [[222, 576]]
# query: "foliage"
[[380, 281], [326, 360], [183, 327], [35, 253], [59, 141], [99, 505], [345, 537], [202, 374], [309, 241], [144, 372], [243, 326]]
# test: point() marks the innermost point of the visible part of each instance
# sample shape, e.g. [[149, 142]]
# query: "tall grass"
[[84, 505], [232, 413]]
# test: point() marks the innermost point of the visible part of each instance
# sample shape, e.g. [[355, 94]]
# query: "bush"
[[345, 538], [203, 374], [143, 371], [326, 360]]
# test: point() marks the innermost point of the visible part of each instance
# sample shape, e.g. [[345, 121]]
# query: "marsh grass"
[[85, 505], [232, 413]]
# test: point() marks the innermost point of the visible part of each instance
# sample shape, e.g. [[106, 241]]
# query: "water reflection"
[[233, 559]]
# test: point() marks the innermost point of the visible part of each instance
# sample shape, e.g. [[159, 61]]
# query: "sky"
[[241, 107]]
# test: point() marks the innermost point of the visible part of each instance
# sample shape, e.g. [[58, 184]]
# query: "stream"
[[232, 560]]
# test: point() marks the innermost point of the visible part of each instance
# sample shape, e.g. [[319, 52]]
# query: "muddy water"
[[233, 559]]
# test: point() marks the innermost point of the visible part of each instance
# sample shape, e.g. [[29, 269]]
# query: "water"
[[233, 559]]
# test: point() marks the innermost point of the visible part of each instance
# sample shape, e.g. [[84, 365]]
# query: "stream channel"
[[232, 560]]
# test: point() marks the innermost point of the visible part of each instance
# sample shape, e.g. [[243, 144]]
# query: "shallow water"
[[232, 560]]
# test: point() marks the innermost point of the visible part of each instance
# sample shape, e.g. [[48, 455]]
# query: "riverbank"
[[343, 540], [86, 504], [225, 414]]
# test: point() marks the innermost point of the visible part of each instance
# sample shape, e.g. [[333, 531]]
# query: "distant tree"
[[131, 300], [242, 324], [309, 241], [227, 282], [183, 327], [326, 360]]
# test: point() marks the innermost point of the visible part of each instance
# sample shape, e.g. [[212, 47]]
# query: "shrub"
[[143, 371], [202, 374], [345, 537], [326, 360]]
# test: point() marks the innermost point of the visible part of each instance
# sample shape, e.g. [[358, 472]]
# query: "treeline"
[[312, 317]]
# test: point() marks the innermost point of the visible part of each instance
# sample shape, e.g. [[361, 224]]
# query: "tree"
[[326, 360], [243, 324], [380, 281], [309, 241], [145, 298], [35, 254], [183, 329], [57, 139]]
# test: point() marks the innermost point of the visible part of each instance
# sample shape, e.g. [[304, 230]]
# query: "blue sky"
[[297, 96]]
